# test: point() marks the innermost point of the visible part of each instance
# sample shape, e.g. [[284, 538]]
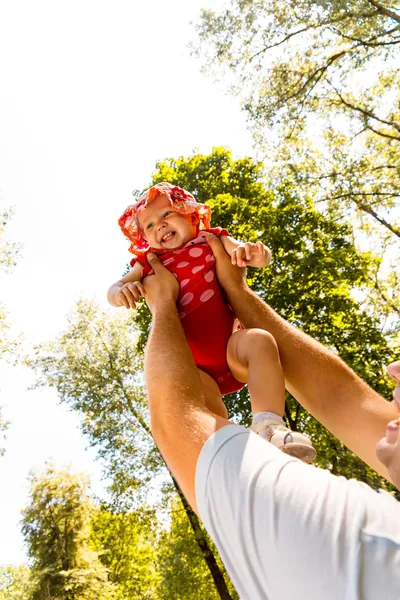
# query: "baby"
[[168, 221]]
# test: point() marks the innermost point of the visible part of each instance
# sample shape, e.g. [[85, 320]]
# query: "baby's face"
[[163, 227]]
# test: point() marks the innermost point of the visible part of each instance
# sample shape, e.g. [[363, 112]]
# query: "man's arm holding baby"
[[128, 290], [322, 383], [246, 254]]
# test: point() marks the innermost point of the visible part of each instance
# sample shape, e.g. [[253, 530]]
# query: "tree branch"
[[371, 41], [384, 297], [316, 26], [363, 111], [385, 11]]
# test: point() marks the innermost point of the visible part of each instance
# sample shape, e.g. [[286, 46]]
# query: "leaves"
[[56, 527]]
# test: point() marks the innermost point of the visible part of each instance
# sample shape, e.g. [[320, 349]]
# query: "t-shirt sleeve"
[[265, 510]]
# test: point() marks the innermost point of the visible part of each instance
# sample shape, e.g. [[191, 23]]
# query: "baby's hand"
[[251, 255], [130, 294], [388, 448]]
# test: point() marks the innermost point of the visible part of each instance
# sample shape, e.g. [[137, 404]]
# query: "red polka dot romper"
[[207, 319]]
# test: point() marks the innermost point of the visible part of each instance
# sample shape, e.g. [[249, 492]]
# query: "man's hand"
[[251, 255], [394, 372], [162, 287], [129, 294], [230, 277], [388, 448]]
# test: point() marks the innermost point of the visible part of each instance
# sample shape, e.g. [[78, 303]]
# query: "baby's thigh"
[[212, 395]]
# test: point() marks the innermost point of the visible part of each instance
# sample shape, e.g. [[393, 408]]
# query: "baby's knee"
[[261, 340]]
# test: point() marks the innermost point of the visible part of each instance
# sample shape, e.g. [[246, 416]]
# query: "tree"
[[126, 543], [320, 84], [306, 66], [16, 583], [56, 527], [182, 572]]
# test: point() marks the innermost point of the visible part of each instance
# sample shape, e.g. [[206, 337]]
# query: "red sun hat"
[[181, 201]]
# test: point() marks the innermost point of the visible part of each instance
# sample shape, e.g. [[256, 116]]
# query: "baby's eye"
[[149, 226], [168, 212]]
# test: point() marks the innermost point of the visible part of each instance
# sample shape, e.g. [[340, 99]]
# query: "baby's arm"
[[128, 290], [246, 254]]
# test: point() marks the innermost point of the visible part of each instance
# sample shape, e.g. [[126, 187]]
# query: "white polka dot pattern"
[[195, 252], [197, 269], [209, 276], [168, 261], [187, 298], [210, 258], [184, 282], [181, 265], [207, 295]]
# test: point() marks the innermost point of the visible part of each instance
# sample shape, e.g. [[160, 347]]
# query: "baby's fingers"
[[140, 288], [248, 248], [238, 256]]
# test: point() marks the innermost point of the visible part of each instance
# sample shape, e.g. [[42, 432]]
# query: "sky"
[[92, 94]]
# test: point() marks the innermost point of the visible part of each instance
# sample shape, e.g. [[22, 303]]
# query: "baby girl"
[[168, 221]]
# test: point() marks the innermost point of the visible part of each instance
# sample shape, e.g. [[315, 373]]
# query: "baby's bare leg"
[[212, 395], [253, 357]]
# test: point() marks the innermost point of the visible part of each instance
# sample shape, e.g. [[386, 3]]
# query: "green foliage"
[[182, 571], [127, 547], [16, 583], [56, 527], [97, 371], [320, 84]]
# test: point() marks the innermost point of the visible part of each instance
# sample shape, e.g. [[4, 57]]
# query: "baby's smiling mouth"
[[168, 236]]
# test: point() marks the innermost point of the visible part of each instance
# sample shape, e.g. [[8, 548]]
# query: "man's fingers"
[[247, 250], [141, 289], [394, 370], [154, 262]]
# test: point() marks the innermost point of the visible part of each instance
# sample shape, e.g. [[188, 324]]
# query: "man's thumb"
[[153, 261], [394, 370]]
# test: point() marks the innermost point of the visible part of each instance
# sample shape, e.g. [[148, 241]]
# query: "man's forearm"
[[169, 364], [180, 422], [321, 381]]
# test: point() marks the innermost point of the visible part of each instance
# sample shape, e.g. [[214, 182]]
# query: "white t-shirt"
[[290, 531]]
